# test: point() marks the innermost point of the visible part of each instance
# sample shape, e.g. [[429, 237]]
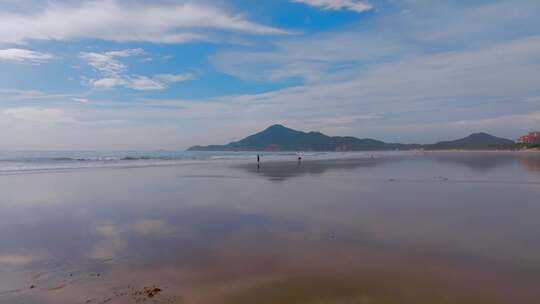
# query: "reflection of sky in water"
[[212, 232]]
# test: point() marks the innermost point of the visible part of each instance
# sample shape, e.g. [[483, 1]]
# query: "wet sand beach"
[[403, 228]]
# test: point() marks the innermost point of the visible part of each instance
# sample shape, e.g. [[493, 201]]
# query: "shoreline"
[[308, 157], [487, 151]]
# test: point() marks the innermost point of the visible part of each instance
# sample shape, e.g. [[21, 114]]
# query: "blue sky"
[[170, 74]]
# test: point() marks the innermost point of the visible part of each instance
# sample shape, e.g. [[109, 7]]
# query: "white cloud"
[[140, 83], [317, 58], [352, 5], [419, 98], [107, 82], [125, 53], [16, 94], [448, 62], [509, 126], [107, 63], [438, 71], [80, 100], [157, 82], [114, 73], [144, 83], [427, 29], [174, 77], [22, 55], [526, 121], [123, 21], [39, 115]]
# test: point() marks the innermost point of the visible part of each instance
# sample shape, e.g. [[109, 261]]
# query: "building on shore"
[[531, 138]]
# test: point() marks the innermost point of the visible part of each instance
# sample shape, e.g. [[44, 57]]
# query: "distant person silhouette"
[[299, 160], [258, 160]]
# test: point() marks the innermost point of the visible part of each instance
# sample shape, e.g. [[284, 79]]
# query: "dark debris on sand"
[[150, 292], [138, 295]]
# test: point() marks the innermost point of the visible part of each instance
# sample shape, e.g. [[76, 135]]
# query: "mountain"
[[473, 141], [280, 138]]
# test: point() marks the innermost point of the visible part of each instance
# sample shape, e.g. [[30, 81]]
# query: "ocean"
[[29, 161]]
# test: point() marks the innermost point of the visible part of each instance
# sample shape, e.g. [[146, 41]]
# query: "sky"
[[145, 75]]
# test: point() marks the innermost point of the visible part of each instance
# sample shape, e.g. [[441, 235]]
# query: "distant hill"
[[473, 141], [280, 138]]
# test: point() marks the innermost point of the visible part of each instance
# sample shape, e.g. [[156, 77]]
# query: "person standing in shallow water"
[[258, 159]]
